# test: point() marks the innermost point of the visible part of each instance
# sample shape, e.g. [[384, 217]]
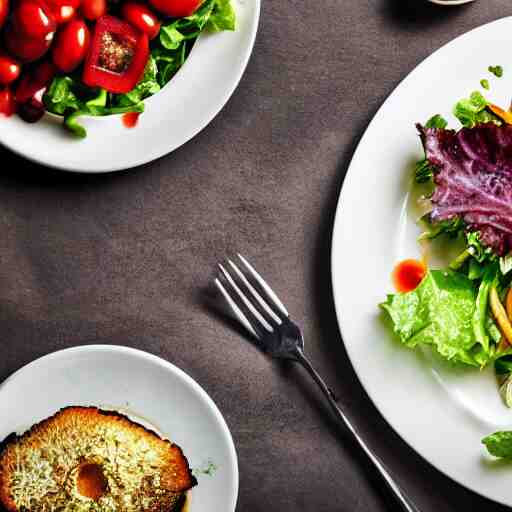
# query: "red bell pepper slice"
[[117, 57]]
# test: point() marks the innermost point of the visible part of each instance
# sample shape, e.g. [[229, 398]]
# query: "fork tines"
[[250, 298]]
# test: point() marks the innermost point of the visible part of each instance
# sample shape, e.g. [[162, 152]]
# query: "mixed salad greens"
[[464, 311], [69, 97]]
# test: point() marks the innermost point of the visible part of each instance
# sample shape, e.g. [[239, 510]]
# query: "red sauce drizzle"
[[7, 103], [130, 119], [408, 274]]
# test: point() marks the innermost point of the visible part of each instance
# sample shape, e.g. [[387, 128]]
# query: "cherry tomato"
[[10, 69], [55, 4], [141, 17], [71, 45], [176, 8], [63, 10], [32, 110], [94, 9], [33, 20], [64, 13], [44, 72], [27, 50], [34, 80], [7, 103], [4, 11]]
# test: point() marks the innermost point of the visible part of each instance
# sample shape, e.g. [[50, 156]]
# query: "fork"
[[259, 310]]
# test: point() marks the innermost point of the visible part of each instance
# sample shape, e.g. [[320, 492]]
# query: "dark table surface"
[[123, 258]]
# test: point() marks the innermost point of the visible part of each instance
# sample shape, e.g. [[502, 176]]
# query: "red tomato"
[[118, 55], [27, 50], [7, 103], [10, 69], [71, 45], [94, 9], [56, 4], [63, 10], [31, 30], [32, 110], [33, 20], [34, 81], [4, 11], [176, 8], [141, 17], [44, 72], [64, 13]]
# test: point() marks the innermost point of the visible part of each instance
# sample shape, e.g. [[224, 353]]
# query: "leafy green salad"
[[69, 97], [463, 312]]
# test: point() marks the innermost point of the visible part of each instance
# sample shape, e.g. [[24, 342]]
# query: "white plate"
[[142, 386], [442, 414], [172, 117]]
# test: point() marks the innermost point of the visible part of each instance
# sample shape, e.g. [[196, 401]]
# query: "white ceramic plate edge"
[[159, 361], [336, 251]]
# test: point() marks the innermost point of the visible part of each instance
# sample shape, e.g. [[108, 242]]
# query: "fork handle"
[[401, 497]]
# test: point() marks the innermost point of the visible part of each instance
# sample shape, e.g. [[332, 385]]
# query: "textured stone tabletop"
[[122, 258]]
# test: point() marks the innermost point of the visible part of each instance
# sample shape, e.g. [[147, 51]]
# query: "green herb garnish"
[[496, 71], [485, 83]]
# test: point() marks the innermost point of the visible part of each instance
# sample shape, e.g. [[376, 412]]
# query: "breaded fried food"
[[86, 459]]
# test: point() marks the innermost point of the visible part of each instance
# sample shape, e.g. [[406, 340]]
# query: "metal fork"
[[261, 312]]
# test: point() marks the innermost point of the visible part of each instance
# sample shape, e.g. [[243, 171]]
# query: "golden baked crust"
[[39, 470]]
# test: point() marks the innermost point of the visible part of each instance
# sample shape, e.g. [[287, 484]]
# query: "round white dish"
[[172, 117], [144, 387], [451, 2], [443, 414]]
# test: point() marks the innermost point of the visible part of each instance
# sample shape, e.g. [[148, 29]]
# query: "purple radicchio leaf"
[[473, 178]]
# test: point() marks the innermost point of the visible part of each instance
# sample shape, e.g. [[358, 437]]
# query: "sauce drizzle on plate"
[[130, 119], [408, 274], [7, 103]]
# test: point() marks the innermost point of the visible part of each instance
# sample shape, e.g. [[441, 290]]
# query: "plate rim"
[[138, 353], [335, 282]]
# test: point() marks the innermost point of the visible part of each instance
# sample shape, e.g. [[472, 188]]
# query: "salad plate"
[[442, 410], [145, 388], [171, 117]]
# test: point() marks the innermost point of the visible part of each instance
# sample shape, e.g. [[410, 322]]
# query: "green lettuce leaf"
[[480, 313], [147, 86], [451, 227], [423, 171], [441, 312], [168, 62], [201, 16], [499, 444], [473, 110], [170, 37], [222, 18], [437, 121], [98, 101], [60, 97], [480, 252]]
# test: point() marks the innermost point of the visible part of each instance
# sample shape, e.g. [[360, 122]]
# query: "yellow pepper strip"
[[500, 315], [503, 345], [502, 114], [508, 304]]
